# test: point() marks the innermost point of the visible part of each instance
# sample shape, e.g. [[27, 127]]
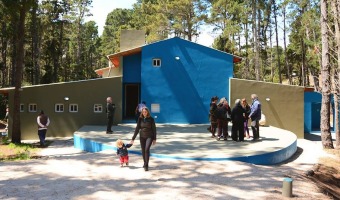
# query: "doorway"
[[131, 100]]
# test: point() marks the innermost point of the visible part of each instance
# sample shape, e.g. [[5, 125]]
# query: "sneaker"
[[225, 139], [127, 164], [121, 165], [218, 138]]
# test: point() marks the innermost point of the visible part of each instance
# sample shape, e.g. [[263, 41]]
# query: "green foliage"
[[18, 152], [60, 46], [117, 20]]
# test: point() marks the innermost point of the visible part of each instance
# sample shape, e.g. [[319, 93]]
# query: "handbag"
[[227, 116]]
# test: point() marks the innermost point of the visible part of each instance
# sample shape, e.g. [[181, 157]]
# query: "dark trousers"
[[42, 136], [137, 116], [237, 131], [109, 124], [213, 128], [246, 130], [222, 128], [145, 144], [255, 126]]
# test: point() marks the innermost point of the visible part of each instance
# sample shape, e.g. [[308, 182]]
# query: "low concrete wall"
[[285, 109]]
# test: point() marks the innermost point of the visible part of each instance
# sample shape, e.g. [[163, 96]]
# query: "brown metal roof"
[[115, 58]]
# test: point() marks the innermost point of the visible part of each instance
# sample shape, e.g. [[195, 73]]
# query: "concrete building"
[[175, 77]]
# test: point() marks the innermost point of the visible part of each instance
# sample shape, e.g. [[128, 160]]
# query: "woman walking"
[[147, 129]]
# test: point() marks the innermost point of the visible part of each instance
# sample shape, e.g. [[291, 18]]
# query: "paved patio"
[[193, 142]]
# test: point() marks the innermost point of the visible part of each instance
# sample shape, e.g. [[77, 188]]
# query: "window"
[[73, 108], [59, 107], [32, 107], [22, 107], [98, 108], [156, 62], [155, 108]]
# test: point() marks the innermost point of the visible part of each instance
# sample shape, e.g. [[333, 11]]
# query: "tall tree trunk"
[[247, 67], [16, 129], [288, 71], [303, 66], [4, 46], [336, 14], [35, 46], [277, 42], [326, 135], [255, 39], [271, 55]]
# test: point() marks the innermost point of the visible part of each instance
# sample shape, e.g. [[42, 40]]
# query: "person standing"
[[246, 108], [213, 118], [223, 119], [6, 118], [110, 108], [146, 128], [237, 117], [255, 116], [122, 152], [139, 109], [43, 122]]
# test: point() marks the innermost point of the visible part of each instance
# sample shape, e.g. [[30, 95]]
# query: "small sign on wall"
[[155, 108]]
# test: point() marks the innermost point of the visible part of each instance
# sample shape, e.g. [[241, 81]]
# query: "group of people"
[[221, 114]]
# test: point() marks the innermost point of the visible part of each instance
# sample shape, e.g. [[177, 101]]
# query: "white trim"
[[156, 62], [97, 108], [23, 107], [32, 107], [59, 107], [73, 108]]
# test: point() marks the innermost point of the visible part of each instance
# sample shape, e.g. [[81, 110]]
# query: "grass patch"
[[332, 161], [12, 151]]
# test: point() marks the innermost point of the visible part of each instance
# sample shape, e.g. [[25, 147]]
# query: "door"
[[131, 100], [316, 108]]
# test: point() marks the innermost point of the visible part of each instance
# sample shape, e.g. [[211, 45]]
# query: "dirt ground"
[[62, 172]]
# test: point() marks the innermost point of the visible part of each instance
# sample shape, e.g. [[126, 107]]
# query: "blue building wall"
[[312, 111], [132, 68], [183, 87], [310, 98]]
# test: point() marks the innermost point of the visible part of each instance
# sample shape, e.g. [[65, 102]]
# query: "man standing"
[[43, 122], [255, 116], [110, 108]]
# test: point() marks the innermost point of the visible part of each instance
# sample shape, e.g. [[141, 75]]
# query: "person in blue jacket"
[[255, 116]]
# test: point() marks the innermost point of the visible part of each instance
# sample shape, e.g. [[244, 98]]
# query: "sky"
[[101, 8]]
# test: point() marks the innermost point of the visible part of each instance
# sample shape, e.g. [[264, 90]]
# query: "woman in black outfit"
[[237, 117], [213, 118], [147, 129]]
